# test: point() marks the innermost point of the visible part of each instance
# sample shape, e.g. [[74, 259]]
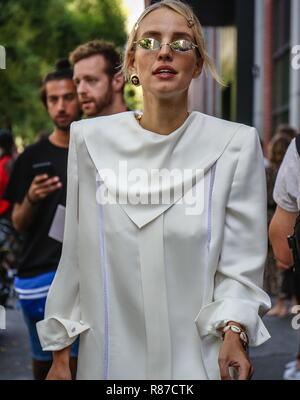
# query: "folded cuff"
[[215, 316], [57, 333]]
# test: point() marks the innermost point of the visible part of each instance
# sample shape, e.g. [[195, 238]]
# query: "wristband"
[[238, 330]]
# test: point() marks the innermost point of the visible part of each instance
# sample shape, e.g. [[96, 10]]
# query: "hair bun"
[[62, 64]]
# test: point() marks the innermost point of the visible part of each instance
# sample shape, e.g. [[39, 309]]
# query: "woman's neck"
[[164, 116]]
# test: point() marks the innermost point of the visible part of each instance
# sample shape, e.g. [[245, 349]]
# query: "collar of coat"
[[118, 142]]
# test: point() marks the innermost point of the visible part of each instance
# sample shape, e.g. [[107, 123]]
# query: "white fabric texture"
[[147, 286]]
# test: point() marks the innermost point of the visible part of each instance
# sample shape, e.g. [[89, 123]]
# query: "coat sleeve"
[[238, 294], [62, 323]]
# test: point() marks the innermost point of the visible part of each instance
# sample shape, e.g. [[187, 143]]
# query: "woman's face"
[[165, 26]]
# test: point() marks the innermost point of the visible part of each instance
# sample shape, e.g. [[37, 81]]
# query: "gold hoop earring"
[[134, 79]]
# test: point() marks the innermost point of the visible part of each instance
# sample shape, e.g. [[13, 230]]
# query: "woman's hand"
[[60, 369], [59, 372], [233, 354]]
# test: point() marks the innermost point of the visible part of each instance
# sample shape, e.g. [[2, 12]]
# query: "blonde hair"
[[192, 21]]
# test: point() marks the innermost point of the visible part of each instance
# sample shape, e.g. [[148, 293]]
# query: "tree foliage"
[[35, 34]]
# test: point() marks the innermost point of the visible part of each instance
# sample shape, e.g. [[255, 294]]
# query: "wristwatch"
[[237, 329]]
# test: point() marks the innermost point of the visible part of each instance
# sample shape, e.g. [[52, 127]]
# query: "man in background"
[[37, 192], [98, 78], [287, 198]]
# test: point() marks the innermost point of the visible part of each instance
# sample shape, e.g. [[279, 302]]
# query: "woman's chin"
[[166, 92]]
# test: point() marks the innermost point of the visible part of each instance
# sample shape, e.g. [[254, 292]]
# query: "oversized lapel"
[[119, 140]]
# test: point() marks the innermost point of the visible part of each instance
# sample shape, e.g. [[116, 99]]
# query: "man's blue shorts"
[[32, 294]]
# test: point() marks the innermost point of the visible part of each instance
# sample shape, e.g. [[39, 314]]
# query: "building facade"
[[277, 83]]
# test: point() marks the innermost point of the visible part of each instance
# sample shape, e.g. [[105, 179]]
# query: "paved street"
[[268, 359], [15, 362]]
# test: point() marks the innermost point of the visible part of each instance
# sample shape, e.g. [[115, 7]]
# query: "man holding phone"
[[37, 190]]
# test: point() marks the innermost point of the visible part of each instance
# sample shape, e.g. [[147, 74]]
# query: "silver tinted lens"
[[181, 45], [149, 44]]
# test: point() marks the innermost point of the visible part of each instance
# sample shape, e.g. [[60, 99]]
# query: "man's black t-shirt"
[[41, 253]]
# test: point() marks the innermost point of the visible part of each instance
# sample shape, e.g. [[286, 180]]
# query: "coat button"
[[81, 322], [73, 329]]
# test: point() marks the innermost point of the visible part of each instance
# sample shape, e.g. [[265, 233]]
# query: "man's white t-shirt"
[[287, 187]]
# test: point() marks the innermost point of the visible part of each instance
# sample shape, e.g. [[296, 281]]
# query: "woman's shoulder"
[[103, 126], [223, 123], [91, 123], [219, 127]]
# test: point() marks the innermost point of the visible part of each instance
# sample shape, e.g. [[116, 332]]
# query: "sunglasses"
[[179, 45]]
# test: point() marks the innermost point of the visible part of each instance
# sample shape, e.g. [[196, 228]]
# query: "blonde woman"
[[161, 289]]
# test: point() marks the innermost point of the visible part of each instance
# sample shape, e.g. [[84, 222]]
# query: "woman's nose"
[[165, 53]]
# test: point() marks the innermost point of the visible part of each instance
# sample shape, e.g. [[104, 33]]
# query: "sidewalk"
[[270, 358], [15, 360]]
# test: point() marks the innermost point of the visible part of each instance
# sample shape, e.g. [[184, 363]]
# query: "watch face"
[[235, 329]]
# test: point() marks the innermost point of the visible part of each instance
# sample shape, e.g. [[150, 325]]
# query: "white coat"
[[147, 286]]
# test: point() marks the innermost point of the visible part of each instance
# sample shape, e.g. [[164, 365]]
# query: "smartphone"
[[43, 168]]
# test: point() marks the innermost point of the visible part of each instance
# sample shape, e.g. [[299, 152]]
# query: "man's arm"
[[281, 226], [23, 214]]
